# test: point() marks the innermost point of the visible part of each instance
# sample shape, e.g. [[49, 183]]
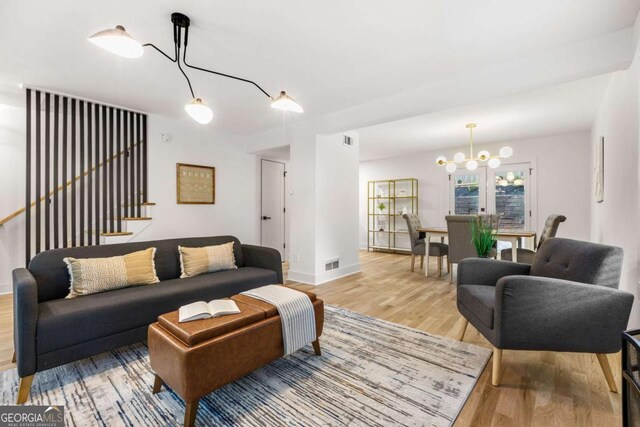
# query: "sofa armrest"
[[487, 272], [263, 257], [539, 313], [25, 319]]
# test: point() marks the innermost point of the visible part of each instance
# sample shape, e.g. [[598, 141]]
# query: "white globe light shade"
[[441, 160], [510, 176], [451, 167], [199, 111], [286, 103], [459, 157], [483, 155], [503, 182], [506, 152], [472, 165], [118, 41], [494, 163]]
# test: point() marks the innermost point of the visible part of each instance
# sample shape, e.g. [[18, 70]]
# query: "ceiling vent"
[[348, 141]]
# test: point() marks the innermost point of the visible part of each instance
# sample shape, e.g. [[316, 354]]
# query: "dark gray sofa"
[[50, 330]]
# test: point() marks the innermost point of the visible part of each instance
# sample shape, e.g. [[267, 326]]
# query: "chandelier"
[[471, 162], [118, 41]]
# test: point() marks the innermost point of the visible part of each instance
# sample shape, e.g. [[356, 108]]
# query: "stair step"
[[141, 204], [117, 233], [133, 218]]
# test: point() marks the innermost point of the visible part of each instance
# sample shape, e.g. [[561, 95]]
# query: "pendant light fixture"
[[118, 41], [471, 162]]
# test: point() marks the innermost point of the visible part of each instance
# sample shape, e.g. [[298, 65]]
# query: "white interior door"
[[468, 191], [272, 214], [509, 194]]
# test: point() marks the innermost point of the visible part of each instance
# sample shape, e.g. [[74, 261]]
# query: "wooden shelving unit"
[[387, 230]]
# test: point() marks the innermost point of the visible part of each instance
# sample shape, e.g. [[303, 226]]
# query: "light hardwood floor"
[[537, 388]]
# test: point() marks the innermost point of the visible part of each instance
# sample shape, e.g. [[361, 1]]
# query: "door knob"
[[265, 218]]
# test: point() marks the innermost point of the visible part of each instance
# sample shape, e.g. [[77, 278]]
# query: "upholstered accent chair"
[[548, 231], [567, 300], [460, 238], [419, 246]]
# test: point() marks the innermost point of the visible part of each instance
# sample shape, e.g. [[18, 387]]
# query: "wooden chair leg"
[[190, 412], [497, 367], [606, 369], [439, 266], [24, 388], [450, 273], [463, 329], [448, 265], [421, 261], [157, 384], [316, 347], [413, 262], [13, 359]]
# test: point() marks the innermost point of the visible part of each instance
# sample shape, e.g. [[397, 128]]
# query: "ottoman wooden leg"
[[190, 413], [157, 384], [316, 346]]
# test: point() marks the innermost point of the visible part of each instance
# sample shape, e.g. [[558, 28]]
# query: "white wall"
[[562, 172], [234, 212], [337, 205], [235, 209], [615, 221], [323, 175]]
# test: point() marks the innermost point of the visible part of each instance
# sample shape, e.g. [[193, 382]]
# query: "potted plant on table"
[[483, 237]]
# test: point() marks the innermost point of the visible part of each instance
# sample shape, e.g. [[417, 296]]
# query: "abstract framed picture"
[[196, 185], [599, 170]]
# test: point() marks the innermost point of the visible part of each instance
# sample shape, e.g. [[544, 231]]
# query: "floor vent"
[[331, 264]]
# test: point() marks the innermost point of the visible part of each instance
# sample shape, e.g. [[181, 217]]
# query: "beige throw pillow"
[[196, 261], [93, 275]]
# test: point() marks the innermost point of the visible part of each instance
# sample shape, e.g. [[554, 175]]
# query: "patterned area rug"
[[371, 373]]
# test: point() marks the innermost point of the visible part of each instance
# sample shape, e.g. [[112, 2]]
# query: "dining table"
[[513, 236]]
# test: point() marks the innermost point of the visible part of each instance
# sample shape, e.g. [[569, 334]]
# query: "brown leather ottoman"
[[196, 358]]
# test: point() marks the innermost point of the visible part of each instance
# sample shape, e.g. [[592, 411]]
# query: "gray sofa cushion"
[[64, 323], [578, 261], [52, 276], [480, 300]]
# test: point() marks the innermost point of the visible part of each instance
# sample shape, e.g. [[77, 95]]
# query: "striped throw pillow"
[[196, 261], [93, 275]]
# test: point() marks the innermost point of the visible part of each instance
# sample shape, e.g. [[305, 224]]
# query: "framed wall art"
[[196, 185]]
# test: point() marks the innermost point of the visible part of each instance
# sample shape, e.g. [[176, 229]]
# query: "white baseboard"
[[5, 288], [296, 276], [318, 279]]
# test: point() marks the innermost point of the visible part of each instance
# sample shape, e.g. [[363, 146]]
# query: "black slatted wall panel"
[[87, 169]]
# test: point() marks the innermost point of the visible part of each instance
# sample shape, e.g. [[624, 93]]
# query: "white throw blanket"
[[296, 312]]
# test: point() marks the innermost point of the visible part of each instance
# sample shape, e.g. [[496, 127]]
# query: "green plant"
[[382, 206], [483, 237]]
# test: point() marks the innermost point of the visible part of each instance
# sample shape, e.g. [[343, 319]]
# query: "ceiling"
[[569, 107], [328, 55]]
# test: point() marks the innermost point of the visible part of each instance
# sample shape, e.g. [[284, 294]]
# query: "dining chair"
[[460, 238], [419, 245], [526, 255]]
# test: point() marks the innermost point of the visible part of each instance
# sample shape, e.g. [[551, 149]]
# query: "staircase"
[[131, 226]]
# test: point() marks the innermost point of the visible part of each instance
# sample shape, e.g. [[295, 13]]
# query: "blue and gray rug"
[[371, 373]]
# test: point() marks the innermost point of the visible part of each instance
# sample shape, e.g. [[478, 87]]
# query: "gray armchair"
[[566, 301], [548, 231], [419, 246], [460, 238]]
